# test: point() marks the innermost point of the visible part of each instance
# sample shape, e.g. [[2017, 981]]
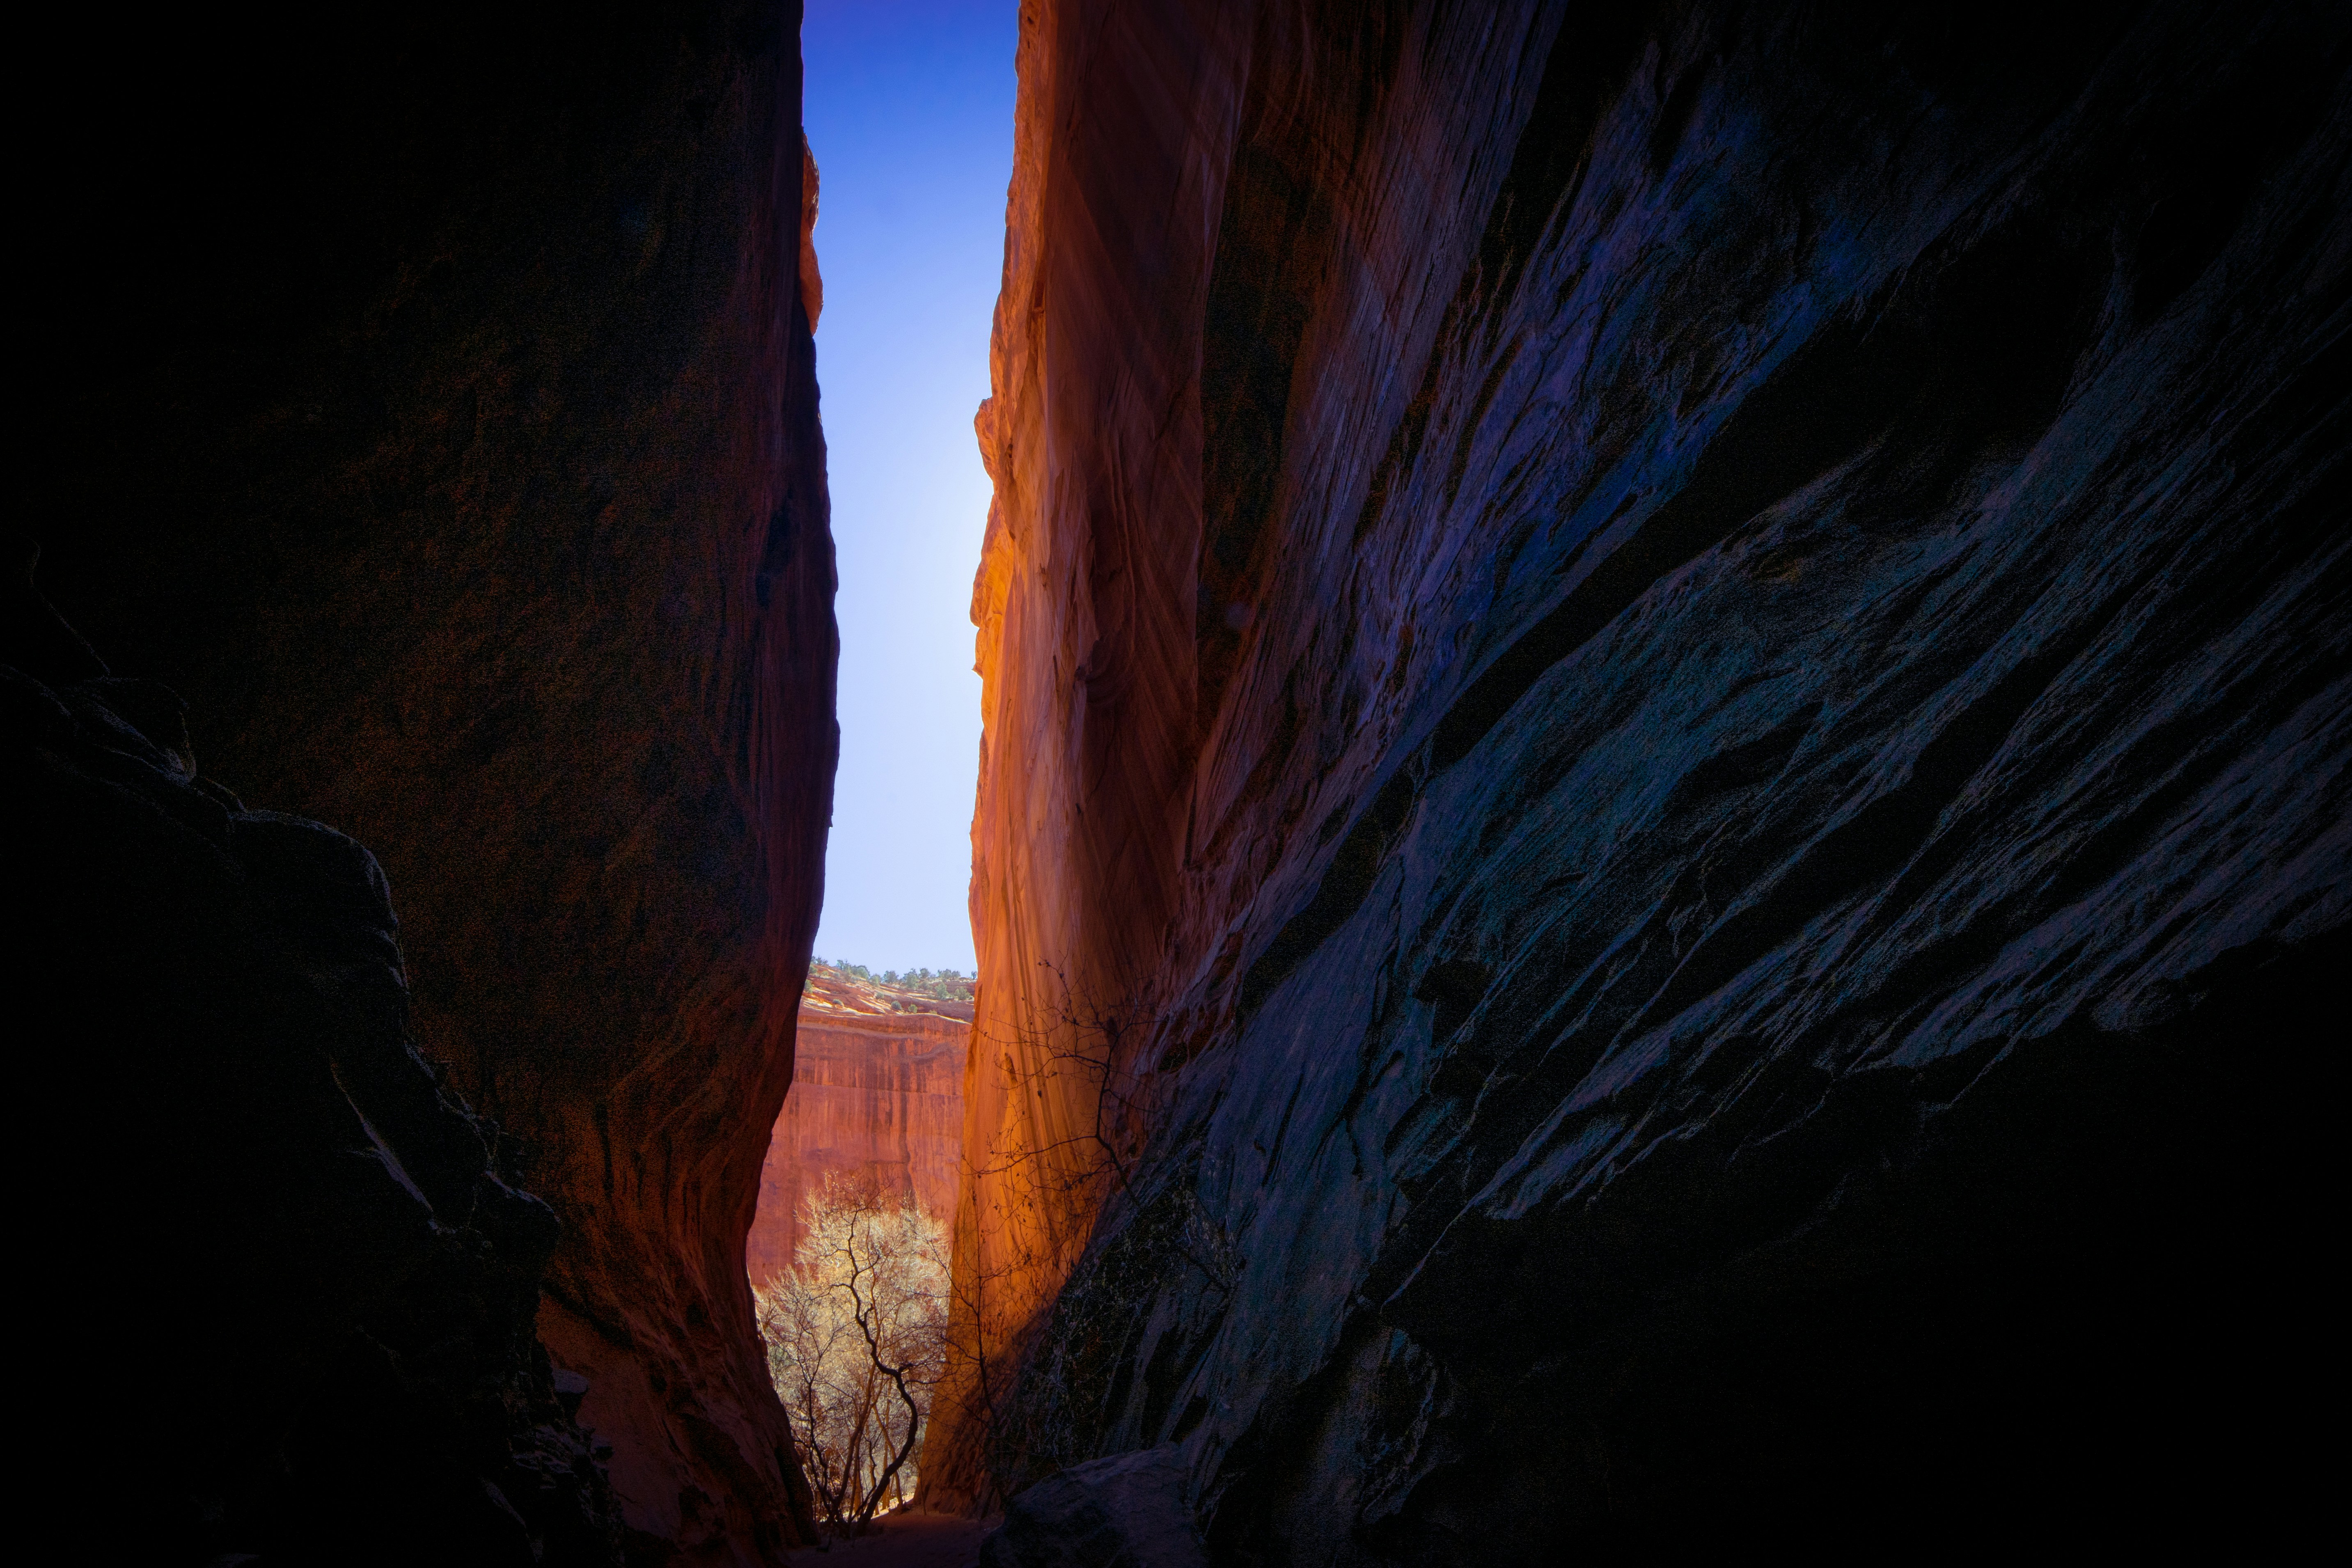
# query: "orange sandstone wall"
[[878, 1090], [1122, 824], [1085, 633]]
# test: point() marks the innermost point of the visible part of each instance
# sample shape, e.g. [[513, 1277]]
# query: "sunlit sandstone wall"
[[429, 397], [1690, 665], [1084, 604], [877, 1092]]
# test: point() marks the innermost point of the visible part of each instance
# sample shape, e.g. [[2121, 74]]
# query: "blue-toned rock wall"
[[1685, 671]]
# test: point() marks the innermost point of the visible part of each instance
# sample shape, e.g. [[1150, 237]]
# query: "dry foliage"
[[856, 1331]]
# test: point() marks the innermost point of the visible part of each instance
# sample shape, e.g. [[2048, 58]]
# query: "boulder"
[[1124, 1512], [298, 1317]]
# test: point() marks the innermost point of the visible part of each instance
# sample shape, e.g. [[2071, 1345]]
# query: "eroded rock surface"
[[429, 396], [877, 1093], [1127, 1510], [1687, 669]]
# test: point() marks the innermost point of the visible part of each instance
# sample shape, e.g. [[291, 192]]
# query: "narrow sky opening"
[[909, 106]]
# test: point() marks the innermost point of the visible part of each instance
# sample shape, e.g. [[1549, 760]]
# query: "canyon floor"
[[913, 1541]]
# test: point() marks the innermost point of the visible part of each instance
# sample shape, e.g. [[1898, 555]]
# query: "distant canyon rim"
[[1663, 840], [876, 1095]]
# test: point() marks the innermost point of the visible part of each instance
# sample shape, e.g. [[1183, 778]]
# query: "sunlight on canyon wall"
[[877, 1093], [1587, 618]]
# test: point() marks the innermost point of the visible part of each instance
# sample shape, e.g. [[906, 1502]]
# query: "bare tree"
[[1078, 1038], [856, 1331]]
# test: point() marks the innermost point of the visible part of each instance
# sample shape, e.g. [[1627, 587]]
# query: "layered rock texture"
[[1669, 687], [427, 396], [877, 1094]]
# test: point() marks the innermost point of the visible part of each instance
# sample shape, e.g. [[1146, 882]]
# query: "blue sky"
[[909, 106]]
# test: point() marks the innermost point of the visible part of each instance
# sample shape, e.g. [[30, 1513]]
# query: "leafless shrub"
[[856, 1331]]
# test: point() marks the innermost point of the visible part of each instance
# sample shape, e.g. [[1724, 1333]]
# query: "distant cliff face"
[[461, 467], [877, 1091], [1685, 668]]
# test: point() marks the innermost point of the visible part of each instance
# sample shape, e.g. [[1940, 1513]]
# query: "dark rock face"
[[1128, 1511], [1751, 812], [429, 396], [312, 1334]]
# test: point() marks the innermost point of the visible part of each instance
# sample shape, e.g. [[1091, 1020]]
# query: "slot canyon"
[[1662, 839]]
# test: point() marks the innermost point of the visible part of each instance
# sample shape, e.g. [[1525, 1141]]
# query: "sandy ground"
[[906, 1541]]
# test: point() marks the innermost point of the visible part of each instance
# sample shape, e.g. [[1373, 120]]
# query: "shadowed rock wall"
[[321, 1347], [429, 399], [1686, 669], [877, 1091]]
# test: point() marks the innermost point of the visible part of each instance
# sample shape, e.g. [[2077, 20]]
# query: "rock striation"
[[1674, 680], [877, 1092], [430, 399]]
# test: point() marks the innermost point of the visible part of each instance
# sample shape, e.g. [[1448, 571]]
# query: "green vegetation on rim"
[[947, 984]]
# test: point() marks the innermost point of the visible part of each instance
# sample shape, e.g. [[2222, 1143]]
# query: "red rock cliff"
[[1679, 669], [433, 404], [877, 1091]]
